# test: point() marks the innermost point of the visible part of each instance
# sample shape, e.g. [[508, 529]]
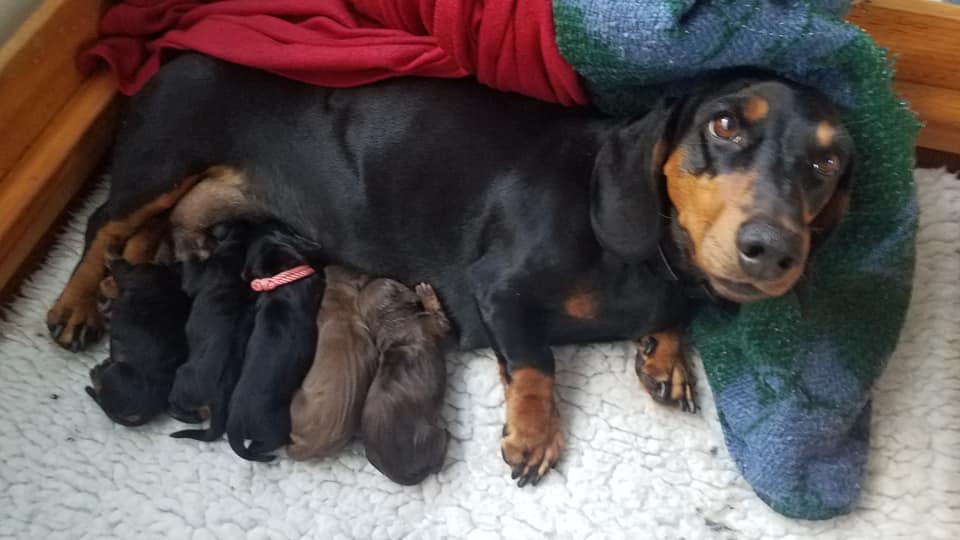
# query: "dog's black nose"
[[768, 251]]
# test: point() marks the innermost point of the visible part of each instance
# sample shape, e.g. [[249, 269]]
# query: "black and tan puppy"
[[280, 349], [219, 325], [538, 225], [400, 424], [325, 411], [147, 343]]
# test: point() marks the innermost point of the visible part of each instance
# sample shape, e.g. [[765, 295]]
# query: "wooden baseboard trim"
[[939, 109], [38, 73], [53, 169], [924, 37]]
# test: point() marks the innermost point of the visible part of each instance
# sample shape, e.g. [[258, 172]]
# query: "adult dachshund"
[[536, 224]]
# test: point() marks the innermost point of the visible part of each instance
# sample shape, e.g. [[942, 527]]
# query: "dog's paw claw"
[[663, 373], [73, 328], [530, 458]]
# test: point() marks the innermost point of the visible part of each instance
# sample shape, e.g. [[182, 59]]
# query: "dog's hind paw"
[[662, 369], [75, 324]]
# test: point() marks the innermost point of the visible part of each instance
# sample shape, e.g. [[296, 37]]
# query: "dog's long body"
[[444, 182], [536, 225]]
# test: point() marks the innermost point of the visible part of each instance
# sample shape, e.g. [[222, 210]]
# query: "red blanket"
[[506, 44]]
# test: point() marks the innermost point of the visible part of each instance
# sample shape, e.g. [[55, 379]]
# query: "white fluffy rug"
[[632, 469]]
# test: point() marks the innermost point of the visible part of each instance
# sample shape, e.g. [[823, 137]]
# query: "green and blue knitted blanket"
[[791, 376]]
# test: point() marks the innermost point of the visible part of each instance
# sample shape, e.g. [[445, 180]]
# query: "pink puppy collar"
[[287, 276]]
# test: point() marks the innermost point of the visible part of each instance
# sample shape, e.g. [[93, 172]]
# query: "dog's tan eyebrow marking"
[[825, 134], [756, 109]]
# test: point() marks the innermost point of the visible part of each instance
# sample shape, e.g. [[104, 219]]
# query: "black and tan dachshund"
[[147, 342], [537, 225], [280, 349], [402, 436], [220, 322]]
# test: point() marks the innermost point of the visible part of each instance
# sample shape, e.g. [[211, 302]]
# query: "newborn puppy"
[[400, 428], [280, 349], [325, 411], [220, 322], [147, 342]]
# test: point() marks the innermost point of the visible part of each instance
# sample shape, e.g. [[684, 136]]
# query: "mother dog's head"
[[752, 173]]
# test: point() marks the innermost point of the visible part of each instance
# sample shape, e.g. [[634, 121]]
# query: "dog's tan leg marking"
[[663, 370], [532, 440], [74, 319], [142, 246]]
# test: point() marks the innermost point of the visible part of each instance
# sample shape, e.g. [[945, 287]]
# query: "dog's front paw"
[[532, 440], [75, 322], [662, 369]]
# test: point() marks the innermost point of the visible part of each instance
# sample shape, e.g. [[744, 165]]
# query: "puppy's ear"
[[310, 250], [626, 200], [833, 212]]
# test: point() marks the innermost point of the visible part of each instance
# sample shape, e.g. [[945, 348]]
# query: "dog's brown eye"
[[828, 165], [725, 127]]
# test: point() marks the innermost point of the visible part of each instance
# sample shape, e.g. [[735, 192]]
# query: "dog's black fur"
[[507, 206], [147, 343], [219, 325], [280, 349], [402, 437]]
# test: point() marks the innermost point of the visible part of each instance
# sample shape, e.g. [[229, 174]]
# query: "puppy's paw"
[[532, 440], [75, 321], [662, 369], [428, 297]]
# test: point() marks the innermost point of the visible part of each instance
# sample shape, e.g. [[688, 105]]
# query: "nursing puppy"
[[325, 412], [400, 428], [147, 342], [220, 322], [280, 349]]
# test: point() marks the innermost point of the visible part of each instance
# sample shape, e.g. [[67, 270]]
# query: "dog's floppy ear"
[[833, 212], [626, 200]]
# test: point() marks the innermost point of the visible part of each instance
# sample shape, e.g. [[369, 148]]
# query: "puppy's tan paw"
[[428, 297]]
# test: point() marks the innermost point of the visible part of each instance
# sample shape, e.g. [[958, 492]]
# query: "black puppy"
[[401, 435], [147, 343], [280, 349], [220, 322]]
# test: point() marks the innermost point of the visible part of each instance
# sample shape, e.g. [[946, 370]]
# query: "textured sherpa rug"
[[632, 469]]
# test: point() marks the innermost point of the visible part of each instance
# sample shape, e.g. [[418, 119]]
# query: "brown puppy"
[[400, 428], [325, 411]]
